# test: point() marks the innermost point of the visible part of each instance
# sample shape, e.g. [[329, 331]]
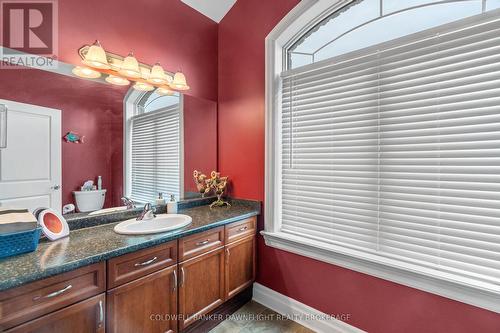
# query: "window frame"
[[298, 21], [131, 108]]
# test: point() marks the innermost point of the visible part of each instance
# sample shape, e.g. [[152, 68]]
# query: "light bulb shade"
[[157, 75], [164, 91], [117, 80], [179, 82], [130, 67], [141, 86], [96, 57], [85, 72], [145, 73]]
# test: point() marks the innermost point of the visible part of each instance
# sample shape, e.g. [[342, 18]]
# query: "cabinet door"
[[83, 317], [201, 286], [240, 265], [148, 304]]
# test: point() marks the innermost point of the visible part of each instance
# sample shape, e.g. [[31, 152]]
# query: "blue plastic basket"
[[19, 242]]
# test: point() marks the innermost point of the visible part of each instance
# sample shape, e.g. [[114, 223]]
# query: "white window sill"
[[440, 284]]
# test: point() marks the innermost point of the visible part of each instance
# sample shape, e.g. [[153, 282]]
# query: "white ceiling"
[[214, 9]]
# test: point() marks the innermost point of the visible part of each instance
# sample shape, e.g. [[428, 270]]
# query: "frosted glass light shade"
[[86, 72], [157, 75], [117, 80], [96, 57], [141, 86], [179, 82], [130, 67], [164, 91]]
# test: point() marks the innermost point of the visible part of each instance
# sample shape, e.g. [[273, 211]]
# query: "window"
[[154, 147], [369, 22], [386, 158]]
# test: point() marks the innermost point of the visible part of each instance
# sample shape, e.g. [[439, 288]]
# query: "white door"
[[30, 156]]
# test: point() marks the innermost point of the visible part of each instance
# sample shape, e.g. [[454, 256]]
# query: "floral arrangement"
[[215, 183]]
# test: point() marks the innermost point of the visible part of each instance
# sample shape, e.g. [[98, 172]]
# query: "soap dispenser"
[[172, 205], [160, 201]]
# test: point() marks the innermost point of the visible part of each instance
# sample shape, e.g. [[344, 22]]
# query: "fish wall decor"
[[72, 137]]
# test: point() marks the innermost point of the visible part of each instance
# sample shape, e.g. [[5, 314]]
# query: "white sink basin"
[[161, 223], [108, 210]]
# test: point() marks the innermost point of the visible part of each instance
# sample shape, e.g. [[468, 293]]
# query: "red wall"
[[375, 305], [88, 108], [200, 139]]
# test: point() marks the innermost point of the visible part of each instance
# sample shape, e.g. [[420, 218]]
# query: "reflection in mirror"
[[140, 143], [153, 140]]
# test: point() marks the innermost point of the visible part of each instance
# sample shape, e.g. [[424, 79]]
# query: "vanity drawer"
[[197, 244], [19, 305], [240, 229], [134, 265]]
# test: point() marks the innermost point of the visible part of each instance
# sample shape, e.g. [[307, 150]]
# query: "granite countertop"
[[97, 243]]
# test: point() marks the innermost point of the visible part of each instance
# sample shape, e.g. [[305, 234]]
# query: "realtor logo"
[[29, 33]]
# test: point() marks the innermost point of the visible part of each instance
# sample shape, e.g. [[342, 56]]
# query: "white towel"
[[13, 220]]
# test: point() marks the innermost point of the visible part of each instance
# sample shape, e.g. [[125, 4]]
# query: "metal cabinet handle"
[[55, 293], [150, 261], [183, 277], [242, 228], [175, 280], [202, 243], [56, 187], [3, 126], [101, 315]]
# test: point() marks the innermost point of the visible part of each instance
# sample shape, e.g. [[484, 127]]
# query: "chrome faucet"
[[147, 211], [128, 202]]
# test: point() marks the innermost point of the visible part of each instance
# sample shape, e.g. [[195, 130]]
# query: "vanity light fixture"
[[158, 75], [130, 67], [143, 86], [179, 82], [86, 72], [164, 91], [96, 56], [117, 80], [121, 70]]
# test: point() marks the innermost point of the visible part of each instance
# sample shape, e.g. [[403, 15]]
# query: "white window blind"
[[155, 154], [394, 151]]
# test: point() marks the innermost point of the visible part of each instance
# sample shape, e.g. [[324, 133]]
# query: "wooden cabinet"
[[32, 300], [84, 317], [148, 304], [240, 265], [194, 245], [134, 265], [240, 229], [147, 290], [201, 286]]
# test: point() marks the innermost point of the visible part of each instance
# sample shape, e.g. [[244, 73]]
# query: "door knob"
[[56, 187]]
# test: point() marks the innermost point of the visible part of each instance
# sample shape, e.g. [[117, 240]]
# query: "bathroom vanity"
[[100, 281]]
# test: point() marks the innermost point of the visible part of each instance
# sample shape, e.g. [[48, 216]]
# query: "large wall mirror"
[[139, 143]]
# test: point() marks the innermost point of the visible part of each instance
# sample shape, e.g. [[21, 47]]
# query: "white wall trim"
[[301, 313], [408, 275], [129, 109], [181, 148]]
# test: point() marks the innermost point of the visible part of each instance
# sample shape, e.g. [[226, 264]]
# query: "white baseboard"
[[299, 312]]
